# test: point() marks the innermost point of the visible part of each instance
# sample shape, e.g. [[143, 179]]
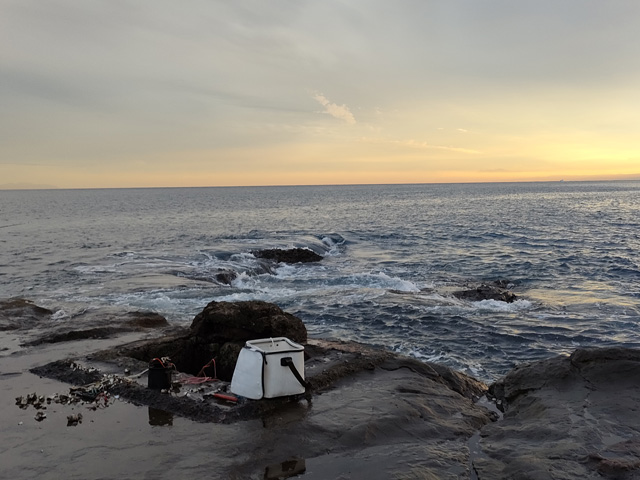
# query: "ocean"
[[392, 257]]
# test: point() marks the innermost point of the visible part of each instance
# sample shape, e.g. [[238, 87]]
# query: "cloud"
[[419, 145], [341, 112]]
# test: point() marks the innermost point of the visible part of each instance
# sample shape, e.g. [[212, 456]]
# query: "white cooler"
[[263, 371]]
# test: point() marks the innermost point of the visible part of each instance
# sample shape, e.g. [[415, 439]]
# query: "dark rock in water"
[[506, 284], [18, 313], [219, 332], [567, 417], [145, 320], [486, 292], [292, 255], [226, 276]]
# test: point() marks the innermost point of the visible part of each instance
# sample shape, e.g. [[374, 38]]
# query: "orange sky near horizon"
[[149, 94]]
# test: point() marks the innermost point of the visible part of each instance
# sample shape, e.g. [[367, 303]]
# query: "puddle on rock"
[[160, 418], [287, 469]]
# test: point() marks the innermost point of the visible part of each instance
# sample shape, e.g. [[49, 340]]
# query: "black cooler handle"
[[288, 362]]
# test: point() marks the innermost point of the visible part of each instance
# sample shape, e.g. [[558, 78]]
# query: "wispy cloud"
[[419, 145], [341, 112]]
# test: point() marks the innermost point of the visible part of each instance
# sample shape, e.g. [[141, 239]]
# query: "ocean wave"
[[382, 246], [93, 269], [59, 315], [377, 280], [334, 244], [498, 306]]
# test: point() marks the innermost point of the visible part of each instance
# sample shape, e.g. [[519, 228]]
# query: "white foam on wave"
[[123, 254], [498, 306], [93, 269], [176, 305], [59, 315], [287, 271], [382, 280], [209, 258], [332, 245], [418, 355], [245, 281], [267, 295], [243, 258]]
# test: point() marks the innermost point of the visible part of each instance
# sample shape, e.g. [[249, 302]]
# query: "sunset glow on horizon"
[[151, 94]]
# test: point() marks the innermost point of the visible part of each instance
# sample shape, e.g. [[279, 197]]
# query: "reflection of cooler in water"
[[160, 370], [287, 469], [159, 417]]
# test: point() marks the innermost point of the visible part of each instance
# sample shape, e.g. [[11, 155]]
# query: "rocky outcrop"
[[567, 417], [369, 411], [487, 292], [102, 323], [18, 313], [226, 276], [291, 255], [219, 332], [223, 322], [37, 325], [223, 328], [376, 414]]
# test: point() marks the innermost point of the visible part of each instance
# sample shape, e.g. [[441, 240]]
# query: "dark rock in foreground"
[[368, 411], [219, 332], [486, 292], [292, 255], [573, 417], [372, 414]]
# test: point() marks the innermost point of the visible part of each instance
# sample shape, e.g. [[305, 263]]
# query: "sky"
[[150, 93]]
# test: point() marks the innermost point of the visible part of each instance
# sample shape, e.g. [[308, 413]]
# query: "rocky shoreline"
[[367, 413]]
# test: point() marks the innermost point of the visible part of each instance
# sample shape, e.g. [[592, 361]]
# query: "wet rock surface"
[[18, 313], [291, 255], [567, 417], [37, 325], [368, 413], [496, 291], [327, 364], [226, 276], [99, 324], [366, 410]]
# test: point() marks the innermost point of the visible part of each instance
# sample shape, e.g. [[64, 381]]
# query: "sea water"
[[393, 256]]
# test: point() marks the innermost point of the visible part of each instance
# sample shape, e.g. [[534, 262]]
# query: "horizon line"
[[25, 187]]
